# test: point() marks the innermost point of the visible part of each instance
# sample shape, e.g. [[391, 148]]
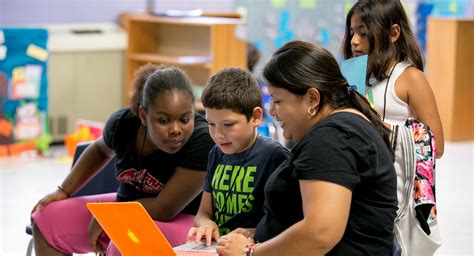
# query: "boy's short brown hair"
[[235, 89]]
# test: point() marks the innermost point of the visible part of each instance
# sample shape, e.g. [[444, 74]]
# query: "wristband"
[[64, 191]]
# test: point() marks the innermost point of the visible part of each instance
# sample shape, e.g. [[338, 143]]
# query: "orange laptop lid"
[[131, 228]]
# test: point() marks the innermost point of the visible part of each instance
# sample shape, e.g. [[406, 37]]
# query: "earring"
[[311, 112]]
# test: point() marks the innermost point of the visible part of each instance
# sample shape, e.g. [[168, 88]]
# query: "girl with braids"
[[336, 194], [161, 147]]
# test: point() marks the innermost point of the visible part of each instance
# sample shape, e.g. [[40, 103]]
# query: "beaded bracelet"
[[64, 191], [249, 249]]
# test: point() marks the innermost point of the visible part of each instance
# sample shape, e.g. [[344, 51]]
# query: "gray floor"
[[24, 180]]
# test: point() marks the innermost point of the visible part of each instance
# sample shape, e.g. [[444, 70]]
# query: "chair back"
[[103, 182]]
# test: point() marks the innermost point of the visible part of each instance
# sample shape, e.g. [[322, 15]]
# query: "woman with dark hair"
[[336, 195], [161, 147]]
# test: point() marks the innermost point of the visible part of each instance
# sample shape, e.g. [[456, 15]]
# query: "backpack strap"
[[405, 149]]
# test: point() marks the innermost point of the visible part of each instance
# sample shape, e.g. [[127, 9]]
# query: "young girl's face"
[[170, 120], [359, 40]]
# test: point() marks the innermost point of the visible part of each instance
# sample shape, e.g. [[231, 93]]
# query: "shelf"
[[201, 46], [188, 21], [201, 61]]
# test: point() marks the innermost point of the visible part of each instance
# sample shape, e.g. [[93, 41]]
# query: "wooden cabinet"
[[201, 46], [450, 69]]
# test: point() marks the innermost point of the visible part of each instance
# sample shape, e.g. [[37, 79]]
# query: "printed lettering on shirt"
[[141, 180], [232, 188]]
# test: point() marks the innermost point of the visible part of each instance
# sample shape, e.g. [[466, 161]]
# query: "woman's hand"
[[209, 231], [94, 232], [247, 232], [232, 244], [51, 197]]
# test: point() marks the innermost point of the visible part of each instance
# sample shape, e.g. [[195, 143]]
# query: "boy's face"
[[231, 131], [359, 39]]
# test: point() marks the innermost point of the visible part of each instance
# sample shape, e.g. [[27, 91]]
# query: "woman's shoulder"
[[120, 122], [344, 124], [119, 117]]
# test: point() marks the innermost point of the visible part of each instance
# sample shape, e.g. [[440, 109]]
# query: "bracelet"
[[64, 191], [249, 249]]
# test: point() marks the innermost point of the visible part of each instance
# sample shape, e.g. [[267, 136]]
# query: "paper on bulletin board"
[[307, 4], [26, 81], [37, 52], [278, 3], [354, 70], [27, 122], [3, 52]]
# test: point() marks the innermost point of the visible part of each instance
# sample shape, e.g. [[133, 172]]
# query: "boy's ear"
[[394, 33], [142, 115], [257, 116]]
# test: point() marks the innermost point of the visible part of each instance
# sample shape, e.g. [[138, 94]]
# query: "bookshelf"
[[201, 46]]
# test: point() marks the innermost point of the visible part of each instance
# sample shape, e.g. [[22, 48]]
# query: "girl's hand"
[[247, 232], [209, 231], [94, 232], [51, 197], [232, 244]]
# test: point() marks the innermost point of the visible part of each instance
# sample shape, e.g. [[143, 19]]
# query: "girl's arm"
[[326, 211], [420, 97], [183, 186], [92, 160]]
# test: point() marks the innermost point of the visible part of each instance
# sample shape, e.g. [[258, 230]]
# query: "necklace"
[[139, 162], [385, 93]]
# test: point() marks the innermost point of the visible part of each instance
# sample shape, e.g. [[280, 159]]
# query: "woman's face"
[[170, 120], [359, 40], [291, 111]]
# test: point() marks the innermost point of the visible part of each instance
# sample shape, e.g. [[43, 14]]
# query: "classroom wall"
[[272, 23], [27, 12]]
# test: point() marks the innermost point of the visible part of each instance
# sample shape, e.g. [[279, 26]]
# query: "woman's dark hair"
[[235, 89], [152, 80], [379, 16], [299, 66]]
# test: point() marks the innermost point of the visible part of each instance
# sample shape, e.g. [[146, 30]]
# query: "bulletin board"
[[272, 23], [23, 89]]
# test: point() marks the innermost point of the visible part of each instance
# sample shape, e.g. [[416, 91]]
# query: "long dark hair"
[[151, 80], [379, 16], [299, 66]]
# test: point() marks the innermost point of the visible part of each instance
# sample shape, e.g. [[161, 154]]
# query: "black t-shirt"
[[243, 205], [155, 169], [347, 150]]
